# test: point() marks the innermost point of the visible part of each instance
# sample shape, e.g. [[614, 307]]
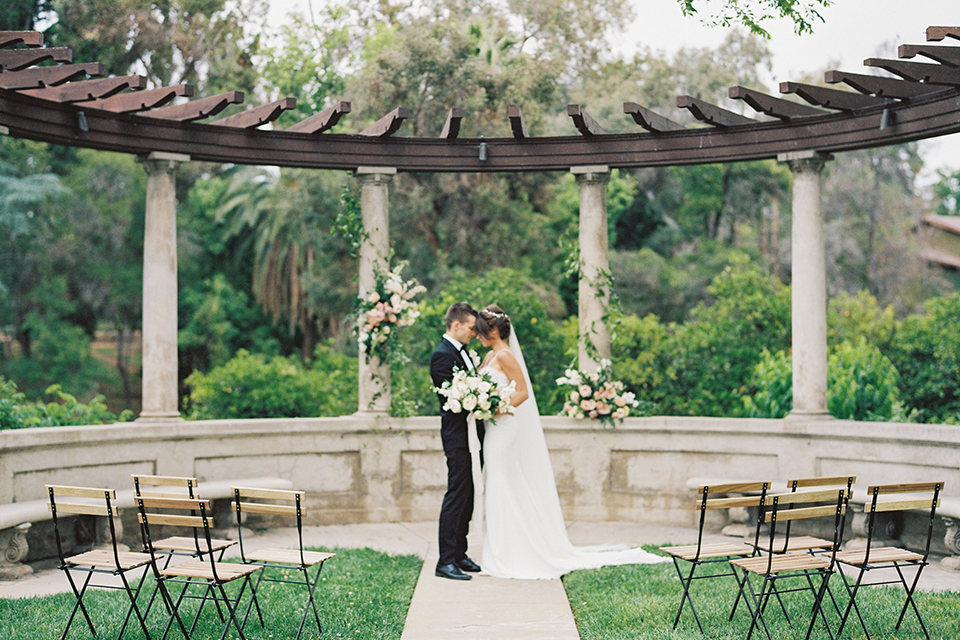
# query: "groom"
[[457, 506]]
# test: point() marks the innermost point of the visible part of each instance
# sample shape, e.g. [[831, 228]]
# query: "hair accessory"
[[494, 314]]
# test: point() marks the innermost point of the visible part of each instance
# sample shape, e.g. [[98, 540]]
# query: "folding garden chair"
[[281, 503], [697, 555], [205, 571], [805, 567], [926, 496], [86, 501], [176, 487]]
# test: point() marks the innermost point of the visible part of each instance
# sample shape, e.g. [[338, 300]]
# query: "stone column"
[[809, 301], [374, 391], [594, 292], [160, 289]]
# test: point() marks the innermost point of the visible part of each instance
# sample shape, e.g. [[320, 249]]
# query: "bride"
[[524, 535]]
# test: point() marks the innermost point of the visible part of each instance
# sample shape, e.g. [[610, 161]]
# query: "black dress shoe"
[[452, 572], [466, 564]]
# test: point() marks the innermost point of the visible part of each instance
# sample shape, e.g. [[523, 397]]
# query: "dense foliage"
[[267, 262], [16, 412]]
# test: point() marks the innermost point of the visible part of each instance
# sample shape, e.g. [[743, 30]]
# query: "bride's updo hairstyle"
[[493, 317]]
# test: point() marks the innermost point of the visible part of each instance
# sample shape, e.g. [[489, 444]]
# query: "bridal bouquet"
[[597, 395], [380, 312], [477, 393]]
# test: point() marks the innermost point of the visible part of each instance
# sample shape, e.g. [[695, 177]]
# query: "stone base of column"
[[807, 416], [159, 418]]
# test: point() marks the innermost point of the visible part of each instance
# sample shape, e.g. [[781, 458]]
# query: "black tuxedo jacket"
[[453, 426]]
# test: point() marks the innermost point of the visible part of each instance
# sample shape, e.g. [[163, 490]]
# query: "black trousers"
[[457, 506]]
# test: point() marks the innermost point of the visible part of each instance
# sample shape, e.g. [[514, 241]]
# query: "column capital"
[[800, 161], [375, 175], [591, 174], [160, 161]]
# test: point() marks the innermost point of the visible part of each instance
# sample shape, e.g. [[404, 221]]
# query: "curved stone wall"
[[370, 469]]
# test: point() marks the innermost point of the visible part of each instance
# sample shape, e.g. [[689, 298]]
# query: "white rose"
[[484, 386], [453, 406], [484, 404], [393, 286], [374, 297], [470, 403]]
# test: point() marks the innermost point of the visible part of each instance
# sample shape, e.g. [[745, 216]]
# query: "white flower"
[[470, 402], [605, 363], [373, 298], [484, 386], [453, 405]]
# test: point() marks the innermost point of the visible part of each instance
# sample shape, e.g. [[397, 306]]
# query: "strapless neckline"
[[498, 375]]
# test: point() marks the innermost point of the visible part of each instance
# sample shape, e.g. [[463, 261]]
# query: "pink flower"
[[588, 405], [603, 408], [585, 390], [593, 414], [619, 401]]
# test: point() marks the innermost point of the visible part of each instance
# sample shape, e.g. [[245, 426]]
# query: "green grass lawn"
[[362, 594], [639, 602]]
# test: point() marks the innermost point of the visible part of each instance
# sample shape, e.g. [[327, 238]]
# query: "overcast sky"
[[852, 31]]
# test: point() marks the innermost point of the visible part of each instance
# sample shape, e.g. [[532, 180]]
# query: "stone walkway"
[[484, 608]]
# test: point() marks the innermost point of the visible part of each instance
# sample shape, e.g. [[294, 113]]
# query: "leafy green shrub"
[[16, 412], [258, 386], [861, 384], [926, 352]]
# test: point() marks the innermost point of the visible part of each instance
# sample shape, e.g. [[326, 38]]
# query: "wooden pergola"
[[70, 104]]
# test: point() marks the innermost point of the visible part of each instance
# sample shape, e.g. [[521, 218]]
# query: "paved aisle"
[[487, 608]]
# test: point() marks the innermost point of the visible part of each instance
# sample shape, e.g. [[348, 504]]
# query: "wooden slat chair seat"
[[804, 567], [788, 543], [926, 497], [275, 502], [111, 561], [205, 571], [703, 553], [176, 487]]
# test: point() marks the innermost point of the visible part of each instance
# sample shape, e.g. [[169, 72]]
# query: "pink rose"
[[585, 390], [588, 405]]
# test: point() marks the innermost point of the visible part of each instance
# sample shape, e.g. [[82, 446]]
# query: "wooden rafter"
[[257, 116], [88, 89], [17, 59], [451, 127], [949, 56], [927, 104], [42, 77], [586, 125], [712, 114], [918, 71], [881, 87], [197, 109], [936, 34], [649, 120], [142, 100], [27, 38], [773, 106], [388, 124], [831, 98], [517, 125], [323, 121]]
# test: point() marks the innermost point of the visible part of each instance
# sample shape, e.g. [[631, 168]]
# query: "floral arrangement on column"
[[597, 396], [380, 312]]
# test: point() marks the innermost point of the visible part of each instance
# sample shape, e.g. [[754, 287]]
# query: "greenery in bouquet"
[[597, 395], [379, 313], [477, 393]]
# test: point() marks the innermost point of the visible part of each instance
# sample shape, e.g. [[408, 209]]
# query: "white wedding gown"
[[524, 535]]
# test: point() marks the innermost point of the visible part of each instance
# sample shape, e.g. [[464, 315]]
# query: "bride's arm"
[[515, 374]]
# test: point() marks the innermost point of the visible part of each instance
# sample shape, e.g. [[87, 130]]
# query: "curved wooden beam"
[[323, 121], [257, 116], [923, 117], [772, 106]]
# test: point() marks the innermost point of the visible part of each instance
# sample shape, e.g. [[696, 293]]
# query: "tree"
[[750, 13]]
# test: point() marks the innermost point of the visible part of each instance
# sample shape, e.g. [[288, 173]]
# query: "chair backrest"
[[804, 505], [192, 513], [164, 486], [276, 502], [923, 496], [821, 482], [87, 501], [710, 498]]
